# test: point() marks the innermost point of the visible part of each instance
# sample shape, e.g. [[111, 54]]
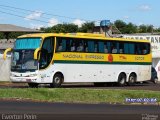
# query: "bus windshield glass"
[[22, 61], [23, 55]]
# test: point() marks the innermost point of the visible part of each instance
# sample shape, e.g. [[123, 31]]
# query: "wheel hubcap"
[[132, 80], [122, 81], [57, 80]]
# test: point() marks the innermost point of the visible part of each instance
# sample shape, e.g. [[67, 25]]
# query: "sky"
[[46, 13]]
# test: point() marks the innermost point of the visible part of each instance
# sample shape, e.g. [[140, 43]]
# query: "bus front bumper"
[[24, 79]]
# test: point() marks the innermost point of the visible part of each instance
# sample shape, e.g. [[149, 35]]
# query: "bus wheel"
[[33, 85], [122, 80], [132, 80], [57, 81], [155, 81]]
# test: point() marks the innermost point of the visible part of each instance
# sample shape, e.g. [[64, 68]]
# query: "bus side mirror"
[[36, 53], [5, 53]]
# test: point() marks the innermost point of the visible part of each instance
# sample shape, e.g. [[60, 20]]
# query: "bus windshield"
[[22, 60], [23, 54]]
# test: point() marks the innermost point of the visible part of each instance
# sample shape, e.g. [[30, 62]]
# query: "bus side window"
[[126, 51], [85, 46], [146, 48], [101, 47], [138, 49], [59, 45], [131, 48], [114, 47], [106, 48], [73, 46], [64, 45], [68, 45], [121, 47], [80, 47], [91, 46], [141, 48], [96, 47]]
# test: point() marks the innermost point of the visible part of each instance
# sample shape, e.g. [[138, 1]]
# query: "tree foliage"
[[11, 35], [61, 28], [69, 28], [121, 25], [125, 28], [132, 28], [86, 27], [146, 28]]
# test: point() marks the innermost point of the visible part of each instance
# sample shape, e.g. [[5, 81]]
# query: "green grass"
[[74, 95]]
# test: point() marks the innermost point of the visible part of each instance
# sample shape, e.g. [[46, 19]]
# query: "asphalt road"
[[63, 111]]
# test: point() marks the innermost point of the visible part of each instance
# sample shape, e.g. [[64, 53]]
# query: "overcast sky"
[[44, 13]]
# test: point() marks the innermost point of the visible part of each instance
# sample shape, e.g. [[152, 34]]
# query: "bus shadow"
[[111, 85], [90, 86]]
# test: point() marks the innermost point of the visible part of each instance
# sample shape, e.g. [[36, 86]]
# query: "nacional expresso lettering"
[[78, 56]]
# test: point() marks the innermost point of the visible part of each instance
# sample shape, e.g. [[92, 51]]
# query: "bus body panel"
[[93, 73], [85, 73]]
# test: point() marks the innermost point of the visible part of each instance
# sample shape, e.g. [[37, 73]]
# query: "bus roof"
[[80, 35]]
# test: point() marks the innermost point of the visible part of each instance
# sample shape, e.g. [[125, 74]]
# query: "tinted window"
[[70, 45], [100, 46], [114, 47], [121, 47]]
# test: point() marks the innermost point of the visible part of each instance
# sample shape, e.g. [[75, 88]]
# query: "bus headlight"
[[12, 75]]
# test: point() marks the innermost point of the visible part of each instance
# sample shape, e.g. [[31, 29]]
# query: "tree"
[[150, 28], [125, 28], [146, 28], [11, 35], [2, 36], [130, 28], [158, 29], [120, 25], [142, 29], [14, 35], [69, 28], [61, 28], [86, 27]]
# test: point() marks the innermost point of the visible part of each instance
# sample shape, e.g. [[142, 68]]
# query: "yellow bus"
[[50, 58]]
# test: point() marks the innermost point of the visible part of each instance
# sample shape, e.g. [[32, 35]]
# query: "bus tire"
[[33, 85], [57, 81], [132, 79], [121, 80], [155, 81]]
